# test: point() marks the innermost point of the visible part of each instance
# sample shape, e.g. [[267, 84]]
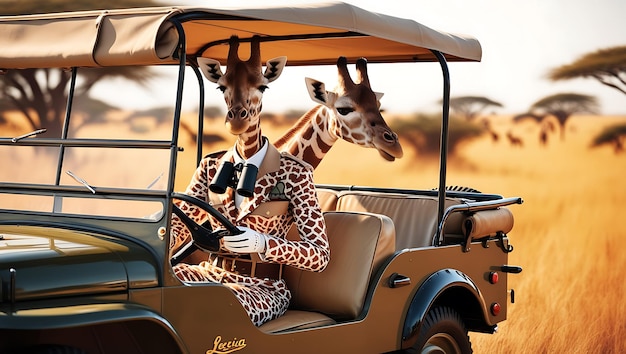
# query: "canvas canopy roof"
[[307, 34]]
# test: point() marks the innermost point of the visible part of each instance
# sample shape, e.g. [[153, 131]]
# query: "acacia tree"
[[471, 106], [560, 106], [608, 66], [614, 135], [41, 94], [423, 132]]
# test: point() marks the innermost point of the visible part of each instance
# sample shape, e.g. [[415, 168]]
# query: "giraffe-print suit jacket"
[[284, 193]]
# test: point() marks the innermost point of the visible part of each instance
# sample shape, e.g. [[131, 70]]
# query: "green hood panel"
[[52, 262]]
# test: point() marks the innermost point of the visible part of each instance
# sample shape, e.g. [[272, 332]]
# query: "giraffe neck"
[[249, 142], [311, 137]]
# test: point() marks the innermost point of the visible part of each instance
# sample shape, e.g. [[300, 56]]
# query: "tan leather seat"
[[414, 217], [359, 243], [327, 198], [294, 320]]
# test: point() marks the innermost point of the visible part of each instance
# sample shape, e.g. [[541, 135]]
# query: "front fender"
[[75, 317], [428, 293]]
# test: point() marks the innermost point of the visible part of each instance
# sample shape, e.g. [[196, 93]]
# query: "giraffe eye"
[[262, 88], [222, 88], [344, 111]]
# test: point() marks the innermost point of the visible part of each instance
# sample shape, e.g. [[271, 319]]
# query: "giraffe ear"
[[210, 68], [317, 91], [274, 67], [379, 95]]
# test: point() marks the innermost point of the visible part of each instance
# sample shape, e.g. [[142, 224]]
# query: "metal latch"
[[397, 280]]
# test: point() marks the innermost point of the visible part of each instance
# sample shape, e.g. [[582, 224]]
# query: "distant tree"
[[212, 112], [608, 66], [270, 117], [41, 94], [287, 117], [613, 135], [560, 106], [157, 115], [160, 114], [292, 115], [207, 138], [423, 132], [471, 107]]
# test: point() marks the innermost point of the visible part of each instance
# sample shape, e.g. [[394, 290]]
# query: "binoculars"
[[242, 177]]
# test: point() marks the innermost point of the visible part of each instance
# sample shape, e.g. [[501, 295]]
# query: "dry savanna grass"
[[568, 236]]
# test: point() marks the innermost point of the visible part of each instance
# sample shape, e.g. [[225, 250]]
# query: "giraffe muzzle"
[[388, 145], [237, 120]]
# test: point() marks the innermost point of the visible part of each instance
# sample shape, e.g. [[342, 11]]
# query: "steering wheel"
[[203, 238]]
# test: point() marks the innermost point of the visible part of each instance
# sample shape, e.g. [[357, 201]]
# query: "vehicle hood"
[[41, 262]]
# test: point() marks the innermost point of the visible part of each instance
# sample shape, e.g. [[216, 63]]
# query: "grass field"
[[568, 236]]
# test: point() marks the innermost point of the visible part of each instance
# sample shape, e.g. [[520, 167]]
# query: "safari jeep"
[[85, 215]]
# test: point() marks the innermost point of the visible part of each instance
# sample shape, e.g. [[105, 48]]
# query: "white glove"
[[249, 241]]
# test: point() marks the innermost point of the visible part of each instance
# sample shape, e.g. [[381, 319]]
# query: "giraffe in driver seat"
[[351, 113], [283, 195]]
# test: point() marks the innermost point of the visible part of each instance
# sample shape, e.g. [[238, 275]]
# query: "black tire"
[[443, 332]]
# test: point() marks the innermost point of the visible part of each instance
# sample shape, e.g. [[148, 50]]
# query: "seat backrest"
[[327, 198], [359, 243], [414, 217]]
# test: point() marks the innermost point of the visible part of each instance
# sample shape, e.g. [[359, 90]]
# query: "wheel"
[[202, 238], [443, 332]]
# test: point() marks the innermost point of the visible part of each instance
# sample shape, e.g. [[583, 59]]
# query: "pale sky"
[[521, 41]]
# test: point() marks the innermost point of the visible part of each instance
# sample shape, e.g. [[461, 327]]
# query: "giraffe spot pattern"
[[263, 299]]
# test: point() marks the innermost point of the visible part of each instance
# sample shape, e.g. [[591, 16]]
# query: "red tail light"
[[495, 309], [493, 277]]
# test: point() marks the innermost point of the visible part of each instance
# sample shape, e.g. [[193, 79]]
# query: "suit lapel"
[[266, 180]]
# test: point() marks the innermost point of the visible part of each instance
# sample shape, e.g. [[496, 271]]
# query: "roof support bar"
[[66, 125], [291, 37], [181, 55], [200, 114], [443, 142], [56, 204]]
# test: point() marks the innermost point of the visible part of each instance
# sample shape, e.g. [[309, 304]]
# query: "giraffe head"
[[355, 111], [242, 84]]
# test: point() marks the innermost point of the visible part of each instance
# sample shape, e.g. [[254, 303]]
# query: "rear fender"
[[435, 286]]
